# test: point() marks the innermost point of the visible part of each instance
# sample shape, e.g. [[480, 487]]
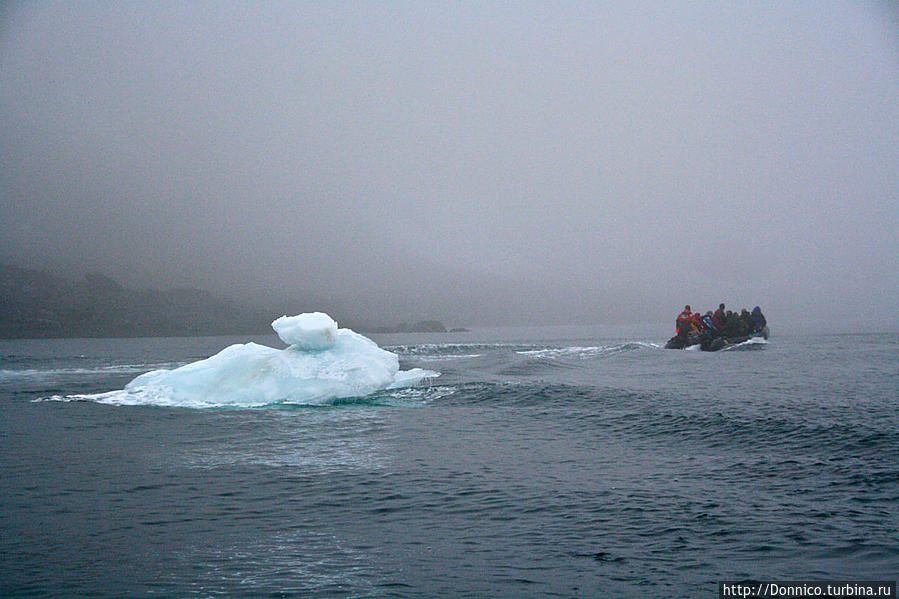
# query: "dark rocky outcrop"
[[37, 304]]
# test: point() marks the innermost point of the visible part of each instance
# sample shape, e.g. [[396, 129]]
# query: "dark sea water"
[[541, 463]]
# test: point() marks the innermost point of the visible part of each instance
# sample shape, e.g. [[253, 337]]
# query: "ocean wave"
[[447, 357], [720, 429], [49, 373], [538, 393], [401, 397], [589, 351], [418, 395], [454, 349]]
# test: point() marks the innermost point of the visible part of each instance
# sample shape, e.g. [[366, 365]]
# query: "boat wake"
[[753, 343]]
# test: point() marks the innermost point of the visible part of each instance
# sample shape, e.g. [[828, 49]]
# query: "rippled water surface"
[[542, 462]]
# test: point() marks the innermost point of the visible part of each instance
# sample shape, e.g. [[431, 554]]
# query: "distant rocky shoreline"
[[35, 304], [422, 326]]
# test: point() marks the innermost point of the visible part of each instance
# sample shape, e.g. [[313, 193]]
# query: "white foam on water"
[[51, 373], [448, 357], [588, 351], [749, 344]]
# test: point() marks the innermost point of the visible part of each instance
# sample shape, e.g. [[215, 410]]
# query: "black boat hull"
[[706, 343]]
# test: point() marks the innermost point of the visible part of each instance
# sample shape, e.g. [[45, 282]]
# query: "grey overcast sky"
[[477, 162]]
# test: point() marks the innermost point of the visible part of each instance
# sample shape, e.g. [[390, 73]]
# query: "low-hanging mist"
[[477, 164]]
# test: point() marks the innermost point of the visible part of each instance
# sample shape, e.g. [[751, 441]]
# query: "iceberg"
[[321, 363], [311, 331]]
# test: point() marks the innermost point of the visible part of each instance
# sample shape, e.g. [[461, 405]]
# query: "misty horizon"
[[477, 164]]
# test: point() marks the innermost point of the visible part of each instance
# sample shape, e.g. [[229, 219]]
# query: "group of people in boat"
[[713, 330]]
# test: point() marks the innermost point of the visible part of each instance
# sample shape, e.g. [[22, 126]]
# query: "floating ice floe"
[[321, 364]]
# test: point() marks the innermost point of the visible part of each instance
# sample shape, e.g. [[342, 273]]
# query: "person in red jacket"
[[696, 321], [682, 324], [720, 317]]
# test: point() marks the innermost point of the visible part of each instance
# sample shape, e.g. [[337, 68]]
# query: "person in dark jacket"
[[758, 319], [734, 325], [747, 320]]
